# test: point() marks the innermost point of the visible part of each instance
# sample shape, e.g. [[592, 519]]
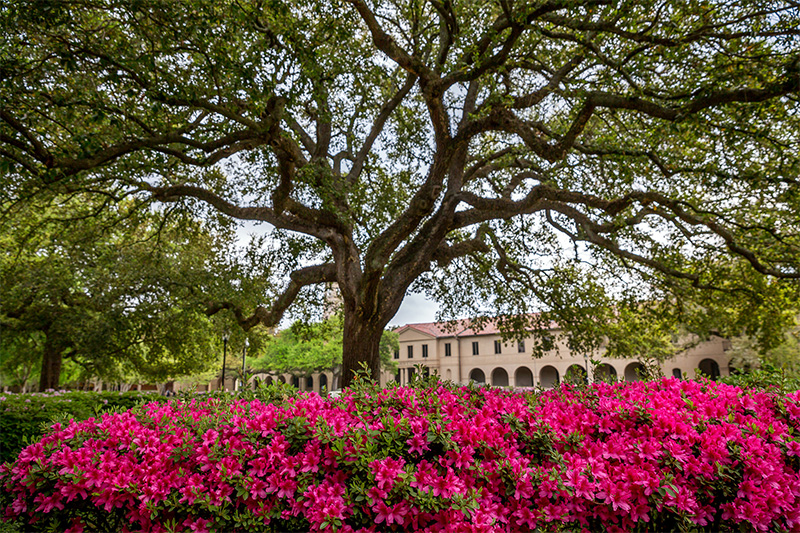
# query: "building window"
[[475, 348], [676, 372], [410, 352], [424, 350], [497, 347], [447, 352], [548, 341], [521, 347], [397, 354]]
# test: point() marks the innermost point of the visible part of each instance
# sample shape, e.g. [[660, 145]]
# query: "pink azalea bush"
[[665, 455]]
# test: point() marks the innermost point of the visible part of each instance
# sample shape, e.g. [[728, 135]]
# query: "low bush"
[[767, 377], [664, 455], [25, 417]]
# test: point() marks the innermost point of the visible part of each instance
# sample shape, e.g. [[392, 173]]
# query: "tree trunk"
[[361, 342], [51, 365]]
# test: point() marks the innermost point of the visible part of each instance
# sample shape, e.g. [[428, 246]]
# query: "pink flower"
[[376, 494], [392, 515], [48, 503], [581, 485], [793, 447], [386, 471], [199, 525], [286, 488], [71, 491], [525, 517], [462, 458]]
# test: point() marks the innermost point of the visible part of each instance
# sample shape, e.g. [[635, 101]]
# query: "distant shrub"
[[766, 377], [25, 417], [649, 456]]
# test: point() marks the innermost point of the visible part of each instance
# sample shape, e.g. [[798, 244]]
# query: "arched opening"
[[256, 383], [269, 380], [500, 377], [575, 374], [309, 383], [676, 373], [477, 376], [523, 377], [634, 372], [323, 383], [709, 368], [295, 382], [605, 373], [282, 379], [548, 377]]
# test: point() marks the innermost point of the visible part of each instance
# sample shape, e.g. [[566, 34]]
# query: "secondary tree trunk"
[[362, 339], [51, 365]]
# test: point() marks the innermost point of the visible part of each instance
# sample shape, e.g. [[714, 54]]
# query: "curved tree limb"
[[271, 316]]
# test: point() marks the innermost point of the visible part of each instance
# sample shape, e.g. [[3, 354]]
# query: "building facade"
[[462, 355]]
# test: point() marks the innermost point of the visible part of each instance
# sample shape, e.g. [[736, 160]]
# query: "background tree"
[[306, 348], [117, 293], [569, 157], [19, 359], [747, 354]]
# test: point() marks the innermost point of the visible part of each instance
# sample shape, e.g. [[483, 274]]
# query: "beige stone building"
[[463, 355]]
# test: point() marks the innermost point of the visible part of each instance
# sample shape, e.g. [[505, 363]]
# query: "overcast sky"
[[415, 308]]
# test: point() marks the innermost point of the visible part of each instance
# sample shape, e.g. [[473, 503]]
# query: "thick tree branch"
[[388, 46], [448, 29], [323, 123], [545, 198], [446, 252], [305, 138], [271, 316], [300, 218], [502, 24], [37, 148], [501, 119], [645, 36], [534, 98]]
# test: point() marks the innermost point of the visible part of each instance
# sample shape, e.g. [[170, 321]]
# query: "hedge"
[[24, 418], [657, 456]]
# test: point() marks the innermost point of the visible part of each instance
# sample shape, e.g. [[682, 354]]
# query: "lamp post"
[[244, 356], [224, 355], [586, 363]]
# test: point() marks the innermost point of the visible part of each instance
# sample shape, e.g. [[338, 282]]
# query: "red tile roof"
[[462, 328]]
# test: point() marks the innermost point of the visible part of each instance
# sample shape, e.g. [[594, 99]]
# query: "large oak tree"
[[494, 152]]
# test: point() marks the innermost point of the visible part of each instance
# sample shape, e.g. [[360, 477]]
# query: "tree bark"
[[52, 359], [362, 338]]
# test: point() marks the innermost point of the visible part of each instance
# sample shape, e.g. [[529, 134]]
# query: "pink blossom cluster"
[[649, 456]]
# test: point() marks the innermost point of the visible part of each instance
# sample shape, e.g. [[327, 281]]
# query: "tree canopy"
[[505, 156]]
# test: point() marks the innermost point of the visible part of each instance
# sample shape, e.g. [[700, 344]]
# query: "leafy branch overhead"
[[504, 156]]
